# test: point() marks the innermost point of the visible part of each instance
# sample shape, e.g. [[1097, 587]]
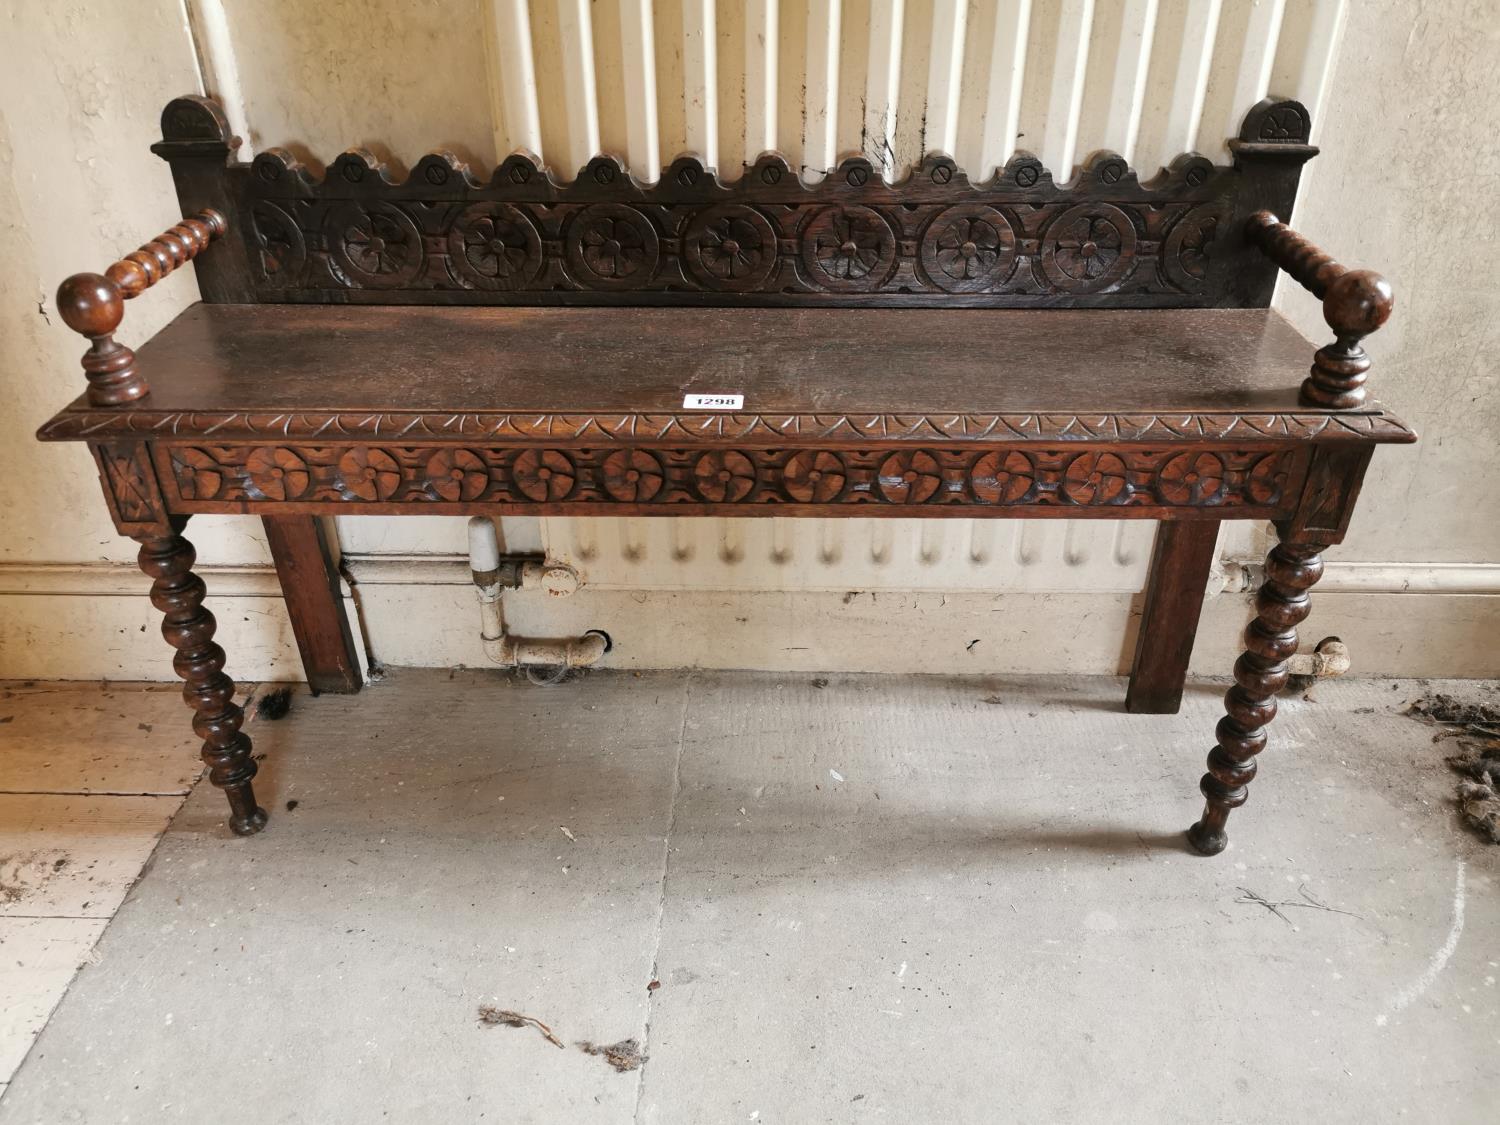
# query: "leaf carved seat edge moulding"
[[1366, 426]]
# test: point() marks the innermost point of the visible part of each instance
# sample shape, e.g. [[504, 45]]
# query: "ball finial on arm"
[[92, 304], [1355, 303], [1358, 303]]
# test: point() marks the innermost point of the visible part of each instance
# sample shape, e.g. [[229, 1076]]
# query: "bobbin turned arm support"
[[1355, 303], [93, 305]]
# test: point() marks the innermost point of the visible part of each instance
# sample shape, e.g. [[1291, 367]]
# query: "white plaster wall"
[[398, 77], [1409, 183], [81, 90], [1406, 124]]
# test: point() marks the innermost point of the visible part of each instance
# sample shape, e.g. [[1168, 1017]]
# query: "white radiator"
[[853, 554]]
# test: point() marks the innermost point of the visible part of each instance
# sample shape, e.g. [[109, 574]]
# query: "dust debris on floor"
[[1479, 802], [490, 1016], [24, 874], [1307, 902], [624, 1056], [274, 704], [1441, 708], [1476, 728]]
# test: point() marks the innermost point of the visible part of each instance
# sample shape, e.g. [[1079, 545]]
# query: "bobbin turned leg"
[[189, 628], [1260, 672]]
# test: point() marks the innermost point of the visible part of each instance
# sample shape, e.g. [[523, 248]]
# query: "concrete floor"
[[864, 899]]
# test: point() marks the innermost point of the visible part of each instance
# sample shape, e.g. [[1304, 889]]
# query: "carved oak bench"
[[1010, 348]]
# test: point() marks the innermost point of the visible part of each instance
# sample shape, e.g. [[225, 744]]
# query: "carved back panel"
[[1018, 239]]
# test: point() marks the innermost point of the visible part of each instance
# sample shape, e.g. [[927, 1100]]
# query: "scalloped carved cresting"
[[1016, 239], [1228, 478]]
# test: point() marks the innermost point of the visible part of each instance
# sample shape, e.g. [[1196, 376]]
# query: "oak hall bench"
[[1011, 348]]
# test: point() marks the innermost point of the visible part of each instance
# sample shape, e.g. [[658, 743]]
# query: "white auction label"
[[713, 402]]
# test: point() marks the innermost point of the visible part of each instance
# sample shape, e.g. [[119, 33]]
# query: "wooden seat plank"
[[269, 359]]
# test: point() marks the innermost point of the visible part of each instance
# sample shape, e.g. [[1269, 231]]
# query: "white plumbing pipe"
[[484, 546], [512, 652], [1331, 658]]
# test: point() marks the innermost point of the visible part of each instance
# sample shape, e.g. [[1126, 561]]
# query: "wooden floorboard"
[[90, 777], [90, 738], [70, 856], [38, 957]]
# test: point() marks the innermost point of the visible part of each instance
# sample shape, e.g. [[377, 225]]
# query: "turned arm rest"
[[93, 305], [1355, 303]]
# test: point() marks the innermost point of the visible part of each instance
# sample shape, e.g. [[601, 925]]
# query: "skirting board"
[[94, 622], [102, 632]]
